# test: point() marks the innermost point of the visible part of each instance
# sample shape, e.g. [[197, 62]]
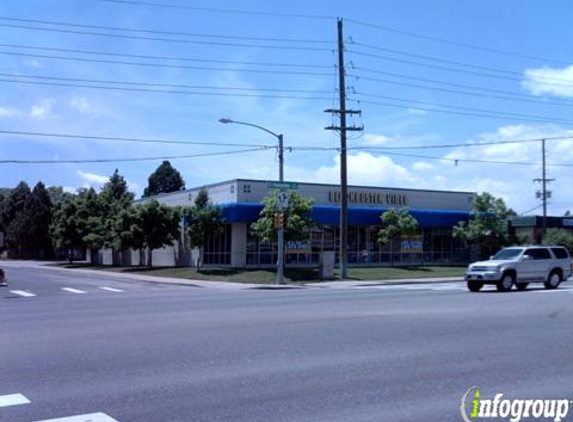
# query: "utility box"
[[326, 267]]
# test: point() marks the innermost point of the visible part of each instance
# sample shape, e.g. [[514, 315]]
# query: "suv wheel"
[[505, 284], [521, 286], [474, 286], [553, 281]]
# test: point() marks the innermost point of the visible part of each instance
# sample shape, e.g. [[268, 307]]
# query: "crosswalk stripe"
[[111, 289], [92, 417], [13, 400], [22, 293], [69, 289]]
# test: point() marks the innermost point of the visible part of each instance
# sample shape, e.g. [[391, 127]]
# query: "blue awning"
[[357, 216]]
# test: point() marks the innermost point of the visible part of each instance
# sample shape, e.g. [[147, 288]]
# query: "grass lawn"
[[292, 275]]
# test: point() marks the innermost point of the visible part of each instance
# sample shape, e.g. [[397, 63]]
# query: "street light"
[[280, 230]]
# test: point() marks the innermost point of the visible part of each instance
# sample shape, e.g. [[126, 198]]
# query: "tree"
[[40, 210], [397, 222], [18, 221], [163, 180], [66, 229], [488, 227], [559, 237], [204, 221], [297, 219], [116, 200], [91, 217], [159, 225]]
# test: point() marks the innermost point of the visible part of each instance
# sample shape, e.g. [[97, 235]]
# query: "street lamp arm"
[[276, 135]]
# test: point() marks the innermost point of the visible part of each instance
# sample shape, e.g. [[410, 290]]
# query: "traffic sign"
[[283, 185], [282, 200]]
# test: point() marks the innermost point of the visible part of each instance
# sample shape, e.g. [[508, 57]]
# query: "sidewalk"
[[225, 285]]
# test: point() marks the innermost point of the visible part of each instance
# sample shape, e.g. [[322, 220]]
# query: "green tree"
[[159, 226], [163, 180], [488, 227], [91, 217], [40, 210], [116, 200], [204, 221], [560, 237], [66, 230], [297, 219], [396, 222], [18, 221]]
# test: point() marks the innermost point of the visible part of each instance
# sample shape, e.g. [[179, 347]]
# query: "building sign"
[[567, 222], [392, 199], [411, 244], [297, 246]]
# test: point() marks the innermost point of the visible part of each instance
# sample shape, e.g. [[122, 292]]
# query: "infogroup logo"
[[475, 408]]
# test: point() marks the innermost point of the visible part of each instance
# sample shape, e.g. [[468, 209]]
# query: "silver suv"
[[521, 265]]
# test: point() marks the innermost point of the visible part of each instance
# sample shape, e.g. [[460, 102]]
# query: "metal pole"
[[343, 256], [544, 181], [280, 234]]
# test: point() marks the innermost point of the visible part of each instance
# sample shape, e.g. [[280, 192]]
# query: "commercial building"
[[531, 226], [237, 246]]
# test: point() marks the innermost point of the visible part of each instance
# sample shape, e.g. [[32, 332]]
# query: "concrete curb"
[[227, 285]]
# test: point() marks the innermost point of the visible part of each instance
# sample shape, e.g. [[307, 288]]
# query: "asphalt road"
[[140, 352]]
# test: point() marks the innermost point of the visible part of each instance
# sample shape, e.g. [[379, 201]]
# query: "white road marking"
[[92, 417], [13, 400], [22, 293], [111, 289], [69, 289]]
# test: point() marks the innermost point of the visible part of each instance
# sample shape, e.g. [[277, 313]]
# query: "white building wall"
[[239, 245]]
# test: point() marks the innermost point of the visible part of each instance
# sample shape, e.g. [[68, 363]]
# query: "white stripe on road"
[[92, 417], [13, 400], [69, 289], [111, 289], [22, 293]]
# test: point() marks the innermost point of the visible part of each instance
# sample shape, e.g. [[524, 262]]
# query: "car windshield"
[[508, 253]]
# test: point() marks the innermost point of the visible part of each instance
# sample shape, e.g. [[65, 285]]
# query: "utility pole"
[[281, 229], [544, 194], [342, 112]]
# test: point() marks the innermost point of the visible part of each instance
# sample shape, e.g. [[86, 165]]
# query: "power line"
[[457, 43], [118, 160], [173, 91], [447, 69], [471, 109], [124, 139], [519, 97], [453, 62], [153, 57], [173, 40], [453, 112], [216, 10], [151, 84], [164, 65], [153, 31]]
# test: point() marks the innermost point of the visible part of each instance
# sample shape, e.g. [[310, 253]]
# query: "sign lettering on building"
[[377, 198], [411, 244]]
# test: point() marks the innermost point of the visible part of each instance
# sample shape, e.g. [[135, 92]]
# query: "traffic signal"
[[279, 219]]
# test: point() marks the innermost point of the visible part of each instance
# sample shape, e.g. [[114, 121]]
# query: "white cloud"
[[372, 139], [363, 169], [91, 180], [80, 103], [9, 112], [43, 110], [545, 80], [417, 111], [422, 166], [69, 189]]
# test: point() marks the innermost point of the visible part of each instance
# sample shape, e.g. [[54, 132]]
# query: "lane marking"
[[91, 417], [22, 293], [69, 289], [13, 400], [111, 289]]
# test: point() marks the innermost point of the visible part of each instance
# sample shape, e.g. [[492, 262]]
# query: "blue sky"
[[295, 55]]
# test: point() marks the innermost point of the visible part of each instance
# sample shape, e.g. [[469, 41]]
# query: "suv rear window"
[[560, 253], [538, 253]]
